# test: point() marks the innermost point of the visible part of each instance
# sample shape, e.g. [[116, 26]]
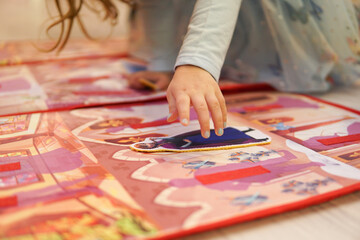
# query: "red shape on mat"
[[91, 93], [262, 108], [87, 79], [231, 175], [10, 167], [156, 123], [342, 139], [8, 201]]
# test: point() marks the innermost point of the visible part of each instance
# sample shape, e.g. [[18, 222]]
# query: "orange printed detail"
[[10, 167], [342, 139], [8, 201]]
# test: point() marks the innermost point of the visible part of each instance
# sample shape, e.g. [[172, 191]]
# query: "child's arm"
[[199, 63]]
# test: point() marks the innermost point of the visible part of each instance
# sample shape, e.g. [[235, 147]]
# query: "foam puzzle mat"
[[71, 174], [74, 83], [69, 84]]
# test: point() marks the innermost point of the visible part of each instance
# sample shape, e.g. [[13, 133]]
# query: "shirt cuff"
[[162, 64], [201, 63]]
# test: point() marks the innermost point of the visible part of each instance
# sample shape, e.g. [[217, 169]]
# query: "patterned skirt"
[[296, 45]]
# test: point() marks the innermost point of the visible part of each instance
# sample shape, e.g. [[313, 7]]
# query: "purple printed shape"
[[289, 102], [285, 102], [15, 84], [57, 192], [315, 145], [59, 160], [354, 128], [276, 166]]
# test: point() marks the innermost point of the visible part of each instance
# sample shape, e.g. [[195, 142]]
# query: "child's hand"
[[194, 86], [160, 80]]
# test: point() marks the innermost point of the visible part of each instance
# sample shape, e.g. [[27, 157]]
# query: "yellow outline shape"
[[200, 149]]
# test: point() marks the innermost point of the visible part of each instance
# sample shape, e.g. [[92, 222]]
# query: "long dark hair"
[[66, 18]]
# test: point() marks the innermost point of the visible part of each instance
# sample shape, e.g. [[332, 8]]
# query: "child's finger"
[[133, 80], [222, 103], [183, 108], [148, 84], [216, 114], [163, 82], [126, 75], [172, 108], [202, 111]]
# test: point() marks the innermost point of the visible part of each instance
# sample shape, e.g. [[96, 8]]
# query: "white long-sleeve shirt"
[[209, 34], [164, 22]]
